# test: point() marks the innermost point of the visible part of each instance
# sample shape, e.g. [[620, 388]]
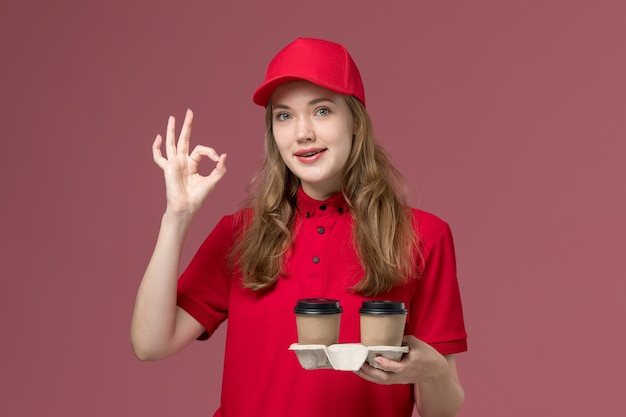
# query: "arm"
[[443, 395], [159, 328], [438, 392]]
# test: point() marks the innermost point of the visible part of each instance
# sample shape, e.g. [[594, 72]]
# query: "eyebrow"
[[311, 103]]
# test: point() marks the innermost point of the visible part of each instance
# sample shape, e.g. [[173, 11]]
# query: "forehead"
[[301, 91]]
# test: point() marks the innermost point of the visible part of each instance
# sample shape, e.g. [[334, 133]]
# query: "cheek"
[[348, 150], [283, 149], [279, 139], [347, 141]]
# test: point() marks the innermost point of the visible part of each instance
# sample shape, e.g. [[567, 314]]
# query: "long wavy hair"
[[383, 232]]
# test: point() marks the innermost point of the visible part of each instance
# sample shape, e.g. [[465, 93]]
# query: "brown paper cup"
[[318, 321], [318, 329], [382, 330], [382, 323]]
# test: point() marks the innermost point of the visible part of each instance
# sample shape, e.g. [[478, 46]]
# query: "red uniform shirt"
[[262, 377]]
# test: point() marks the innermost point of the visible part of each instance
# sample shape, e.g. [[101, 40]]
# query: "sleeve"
[[436, 315], [204, 286]]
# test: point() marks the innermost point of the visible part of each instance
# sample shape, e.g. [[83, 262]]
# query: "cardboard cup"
[[318, 321], [318, 329], [382, 330], [382, 323]]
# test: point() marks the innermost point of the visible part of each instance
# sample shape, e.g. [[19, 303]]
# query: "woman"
[[327, 219]]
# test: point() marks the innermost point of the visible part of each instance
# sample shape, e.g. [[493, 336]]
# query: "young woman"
[[327, 218]]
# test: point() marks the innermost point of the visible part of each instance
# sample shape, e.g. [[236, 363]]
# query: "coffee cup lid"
[[383, 307], [317, 306]]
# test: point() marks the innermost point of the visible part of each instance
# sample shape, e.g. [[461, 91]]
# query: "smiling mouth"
[[309, 154]]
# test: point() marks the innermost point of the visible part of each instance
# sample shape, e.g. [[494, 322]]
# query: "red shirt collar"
[[309, 206]]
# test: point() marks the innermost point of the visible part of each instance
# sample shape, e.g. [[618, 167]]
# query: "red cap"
[[327, 64]]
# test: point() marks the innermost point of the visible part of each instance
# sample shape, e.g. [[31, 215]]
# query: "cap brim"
[[263, 94]]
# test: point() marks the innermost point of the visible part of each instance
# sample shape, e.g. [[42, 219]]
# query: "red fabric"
[[327, 64], [261, 376]]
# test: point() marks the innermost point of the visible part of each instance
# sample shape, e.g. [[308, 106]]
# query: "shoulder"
[[236, 220], [430, 228], [229, 226], [428, 223]]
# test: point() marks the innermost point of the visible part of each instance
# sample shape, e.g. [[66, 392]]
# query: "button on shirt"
[[320, 239]]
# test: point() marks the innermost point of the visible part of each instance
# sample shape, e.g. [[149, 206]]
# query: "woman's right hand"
[[185, 188]]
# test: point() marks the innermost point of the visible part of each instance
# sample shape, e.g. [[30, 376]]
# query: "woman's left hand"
[[420, 364]]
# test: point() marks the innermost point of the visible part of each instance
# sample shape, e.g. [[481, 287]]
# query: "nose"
[[304, 130]]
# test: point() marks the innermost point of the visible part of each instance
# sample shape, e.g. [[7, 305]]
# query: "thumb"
[[220, 167], [411, 340]]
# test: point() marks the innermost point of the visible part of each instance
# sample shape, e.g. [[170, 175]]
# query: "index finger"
[[372, 374], [185, 133], [388, 365]]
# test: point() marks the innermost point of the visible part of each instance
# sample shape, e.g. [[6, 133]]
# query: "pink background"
[[506, 117]]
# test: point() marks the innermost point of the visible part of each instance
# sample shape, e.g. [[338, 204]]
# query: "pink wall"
[[507, 119]]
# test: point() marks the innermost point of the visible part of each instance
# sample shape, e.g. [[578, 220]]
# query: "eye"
[[282, 116], [323, 111]]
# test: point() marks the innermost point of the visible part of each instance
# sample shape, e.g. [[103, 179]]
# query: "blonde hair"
[[383, 233]]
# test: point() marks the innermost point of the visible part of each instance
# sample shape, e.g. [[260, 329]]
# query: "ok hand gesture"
[[185, 188]]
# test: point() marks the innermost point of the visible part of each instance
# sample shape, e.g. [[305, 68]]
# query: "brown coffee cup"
[[317, 321], [382, 322]]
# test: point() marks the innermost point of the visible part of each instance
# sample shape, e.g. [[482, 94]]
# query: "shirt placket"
[[319, 228]]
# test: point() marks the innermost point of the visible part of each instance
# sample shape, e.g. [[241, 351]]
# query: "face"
[[313, 129]]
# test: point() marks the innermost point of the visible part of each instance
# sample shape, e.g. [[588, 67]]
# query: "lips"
[[308, 153]]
